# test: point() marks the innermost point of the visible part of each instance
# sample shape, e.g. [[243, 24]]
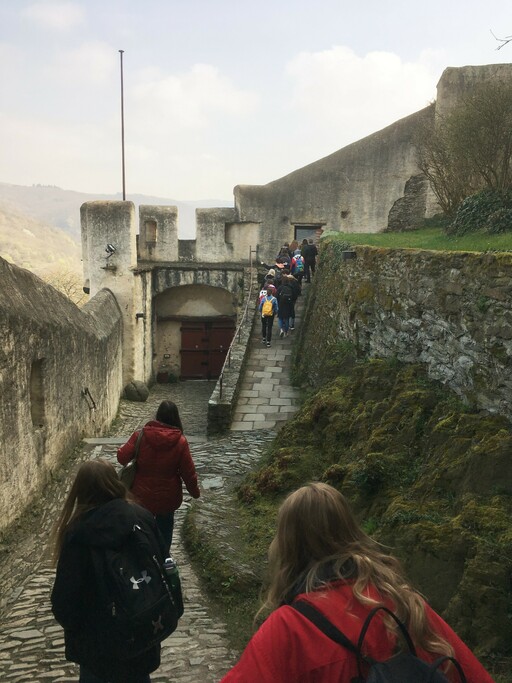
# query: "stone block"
[[136, 391]]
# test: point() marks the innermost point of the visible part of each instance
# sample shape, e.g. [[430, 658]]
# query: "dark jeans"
[[309, 270], [284, 324], [165, 524], [266, 327], [87, 677], [292, 315]]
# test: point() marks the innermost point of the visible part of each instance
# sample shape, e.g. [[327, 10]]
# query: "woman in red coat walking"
[[321, 556], [163, 462]]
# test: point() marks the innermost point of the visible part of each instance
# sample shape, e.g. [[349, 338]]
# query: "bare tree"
[[470, 148], [449, 179], [67, 282], [482, 134], [503, 41]]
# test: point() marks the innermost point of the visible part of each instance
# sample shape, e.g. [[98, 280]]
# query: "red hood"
[[159, 435]]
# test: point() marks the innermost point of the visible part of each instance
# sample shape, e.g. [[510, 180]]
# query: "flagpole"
[[122, 125]]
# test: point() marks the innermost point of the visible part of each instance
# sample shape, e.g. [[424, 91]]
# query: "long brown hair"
[[96, 482], [316, 529], [169, 414]]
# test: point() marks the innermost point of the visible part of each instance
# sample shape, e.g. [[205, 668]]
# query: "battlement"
[[220, 236]]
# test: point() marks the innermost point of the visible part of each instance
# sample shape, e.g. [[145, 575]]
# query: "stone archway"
[[193, 328]]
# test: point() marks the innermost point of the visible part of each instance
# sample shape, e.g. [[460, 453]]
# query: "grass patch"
[[432, 238]]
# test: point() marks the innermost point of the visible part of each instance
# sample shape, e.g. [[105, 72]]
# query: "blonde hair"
[[318, 533], [96, 482]]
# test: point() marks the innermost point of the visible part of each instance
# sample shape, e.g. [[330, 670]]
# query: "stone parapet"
[[60, 377], [223, 400]]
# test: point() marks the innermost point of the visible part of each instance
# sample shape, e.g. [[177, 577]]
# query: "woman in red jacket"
[[163, 461], [321, 556]]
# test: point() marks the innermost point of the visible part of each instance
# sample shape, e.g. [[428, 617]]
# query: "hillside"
[[36, 245], [61, 208], [40, 225]]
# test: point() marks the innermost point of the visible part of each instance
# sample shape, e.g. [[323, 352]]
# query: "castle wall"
[[145, 325], [368, 186], [50, 353], [352, 190], [221, 238], [457, 82], [449, 310]]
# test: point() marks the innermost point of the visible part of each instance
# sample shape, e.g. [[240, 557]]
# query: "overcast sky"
[[218, 92]]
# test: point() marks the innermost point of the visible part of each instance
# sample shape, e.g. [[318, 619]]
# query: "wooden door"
[[204, 345]]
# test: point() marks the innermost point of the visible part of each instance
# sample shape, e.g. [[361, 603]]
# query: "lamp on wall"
[[348, 255], [110, 249], [139, 315]]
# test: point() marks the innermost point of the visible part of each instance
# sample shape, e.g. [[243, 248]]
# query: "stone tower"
[[110, 257]]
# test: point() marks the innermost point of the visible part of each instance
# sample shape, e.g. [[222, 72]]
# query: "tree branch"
[[503, 41]]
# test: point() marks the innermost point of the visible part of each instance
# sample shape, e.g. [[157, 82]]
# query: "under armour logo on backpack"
[[157, 625], [144, 577]]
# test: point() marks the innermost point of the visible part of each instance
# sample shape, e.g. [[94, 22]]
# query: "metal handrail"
[[238, 331]]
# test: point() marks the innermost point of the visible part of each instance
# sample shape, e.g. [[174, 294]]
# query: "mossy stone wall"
[[451, 311]]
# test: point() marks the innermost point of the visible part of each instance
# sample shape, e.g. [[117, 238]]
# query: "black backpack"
[[138, 607], [286, 292], [404, 667]]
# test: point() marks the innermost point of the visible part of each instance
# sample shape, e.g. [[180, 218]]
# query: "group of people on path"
[[98, 516], [282, 286], [320, 560]]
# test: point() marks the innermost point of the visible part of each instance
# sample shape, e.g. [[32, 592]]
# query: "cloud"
[[71, 156], [349, 96], [58, 16], [11, 58], [92, 62], [190, 100]]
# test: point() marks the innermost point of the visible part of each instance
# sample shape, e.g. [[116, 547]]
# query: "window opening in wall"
[[37, 393], [308, 231], [150, 232]]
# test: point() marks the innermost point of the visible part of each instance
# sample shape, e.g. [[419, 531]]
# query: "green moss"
[[433, 477], [364, 292]]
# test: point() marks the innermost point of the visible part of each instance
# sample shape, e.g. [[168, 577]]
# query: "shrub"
[[487, 211]]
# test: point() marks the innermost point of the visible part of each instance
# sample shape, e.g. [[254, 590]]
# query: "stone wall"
[[455, 83], [449, 310], [224, 397], [352, 190], [371, 185], [60, 378], [220, 237]]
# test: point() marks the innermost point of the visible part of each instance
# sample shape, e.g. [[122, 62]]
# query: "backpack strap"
[[366, 625], [435, 666], [323, 624], [401, 626], [137, 445]]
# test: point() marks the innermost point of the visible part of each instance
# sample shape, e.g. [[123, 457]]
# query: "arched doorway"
[[194, 326]]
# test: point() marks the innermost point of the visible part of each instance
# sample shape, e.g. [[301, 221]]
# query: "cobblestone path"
[[31, 642]]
